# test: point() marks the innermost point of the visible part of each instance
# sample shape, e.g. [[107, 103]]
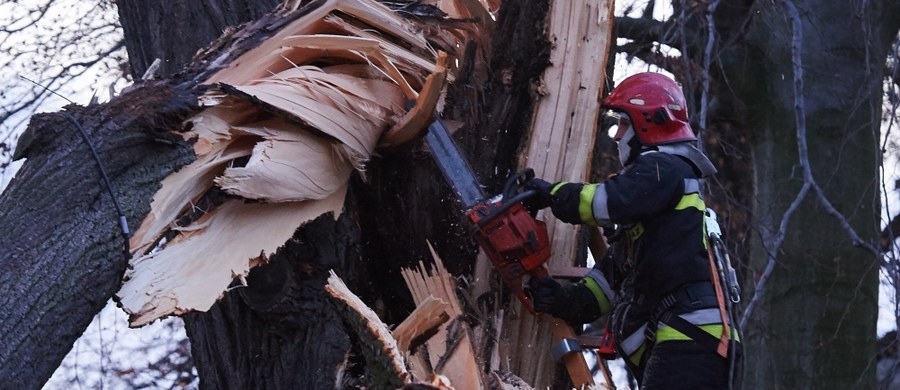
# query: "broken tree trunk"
[[61, 249], [283, 127], [561, 148]]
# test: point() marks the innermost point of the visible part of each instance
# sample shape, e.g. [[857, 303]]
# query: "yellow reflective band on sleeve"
[[585, 204], [691, 200], [602, 299], [668, 333], [556, 187]]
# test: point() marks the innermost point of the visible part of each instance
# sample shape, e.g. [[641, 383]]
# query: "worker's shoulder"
[[657, 157], [661, 161]]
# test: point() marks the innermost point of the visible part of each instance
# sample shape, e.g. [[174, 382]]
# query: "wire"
[[123, 222]]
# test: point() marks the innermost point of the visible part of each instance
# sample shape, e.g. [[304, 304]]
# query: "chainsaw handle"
[[520, 197], [511, 188], [511, 196]]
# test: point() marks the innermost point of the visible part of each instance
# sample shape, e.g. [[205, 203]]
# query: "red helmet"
[[655, 105]]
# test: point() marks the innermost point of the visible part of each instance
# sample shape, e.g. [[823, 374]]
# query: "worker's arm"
[[577, 303], [647, 187]]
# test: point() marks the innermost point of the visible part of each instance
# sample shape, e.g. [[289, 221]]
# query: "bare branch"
[[640, 30], [41, 11], [707, 59]]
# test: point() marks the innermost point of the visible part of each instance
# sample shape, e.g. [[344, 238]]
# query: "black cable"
[[123, 222]]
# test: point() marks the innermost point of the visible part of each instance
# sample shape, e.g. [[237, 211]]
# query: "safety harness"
[[696, 311]]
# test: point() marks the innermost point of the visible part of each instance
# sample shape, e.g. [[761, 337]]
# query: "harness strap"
[[686, 296], [722, 347], [693, 331]]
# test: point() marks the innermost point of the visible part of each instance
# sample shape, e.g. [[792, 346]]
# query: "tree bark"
[[172, 30], [282, 330], [62, 250], [823, 281]]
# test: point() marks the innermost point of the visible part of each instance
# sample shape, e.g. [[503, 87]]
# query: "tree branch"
[[640, 30], [707, 59]]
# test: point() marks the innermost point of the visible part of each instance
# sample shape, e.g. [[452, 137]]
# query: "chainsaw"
[[514, 241]]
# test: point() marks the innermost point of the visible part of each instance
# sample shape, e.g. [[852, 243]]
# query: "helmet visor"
[[623, 123]]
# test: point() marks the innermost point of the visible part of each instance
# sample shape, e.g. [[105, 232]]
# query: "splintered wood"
[[387, 353], [424, 321], [285, 125], [382, 355], [450, 350], [561, 146], [225, 232]]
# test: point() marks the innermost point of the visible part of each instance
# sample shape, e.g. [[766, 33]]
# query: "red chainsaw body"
[[516, 243]]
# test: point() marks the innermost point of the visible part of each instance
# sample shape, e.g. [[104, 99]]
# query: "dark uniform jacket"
[[661, 252]]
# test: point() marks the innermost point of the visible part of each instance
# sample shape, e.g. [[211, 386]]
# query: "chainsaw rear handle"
[[511, 196], [506, 205]]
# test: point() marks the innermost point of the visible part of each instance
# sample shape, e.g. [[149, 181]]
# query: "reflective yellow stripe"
[[556, 187], [602, 299], [668, 333], [691, 200], [585, 209], [636, 356]]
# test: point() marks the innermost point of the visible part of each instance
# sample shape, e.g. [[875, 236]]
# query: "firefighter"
[[656, 276]]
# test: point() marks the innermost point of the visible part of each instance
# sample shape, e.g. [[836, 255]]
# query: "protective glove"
[[543, 294], [563, 198], [574, 303], [541, 199]]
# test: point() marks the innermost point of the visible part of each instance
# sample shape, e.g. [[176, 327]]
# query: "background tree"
[[788, 93], [805, 227]]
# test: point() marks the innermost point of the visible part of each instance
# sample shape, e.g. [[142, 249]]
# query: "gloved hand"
[[574, 303], [544, 293], [542, 198], [563, 198]]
